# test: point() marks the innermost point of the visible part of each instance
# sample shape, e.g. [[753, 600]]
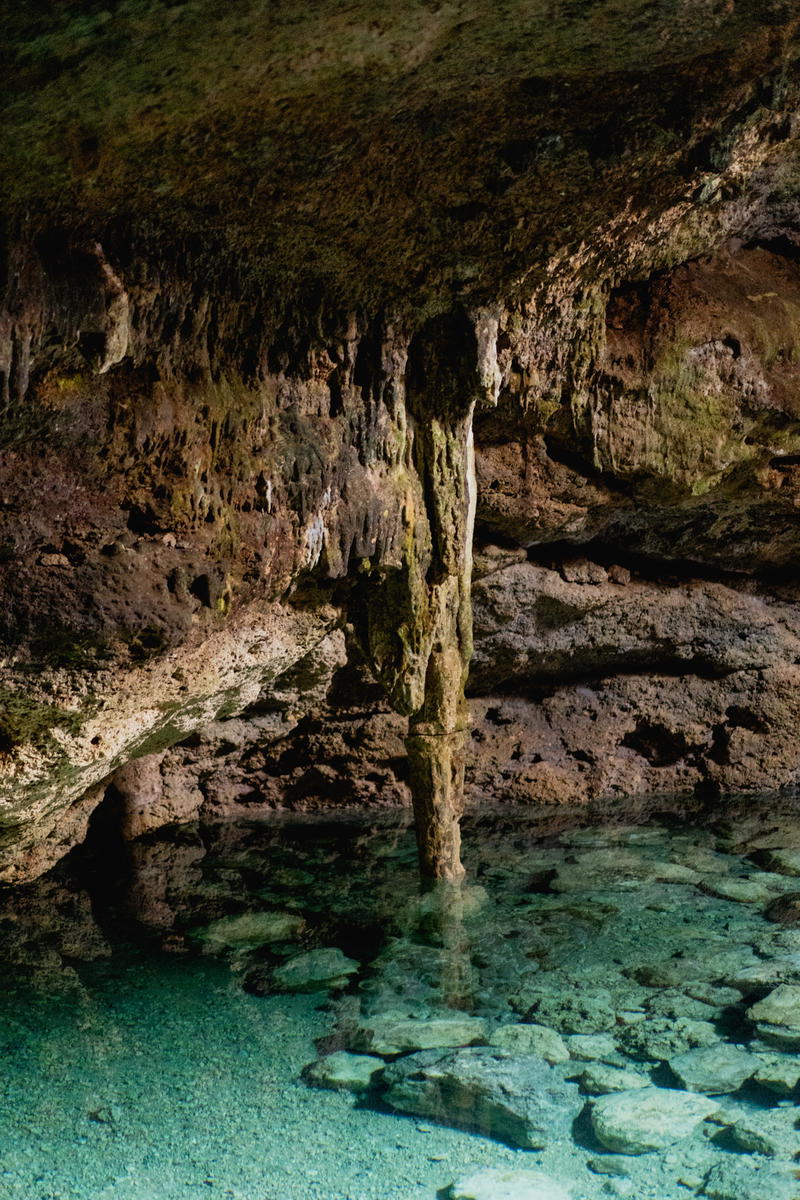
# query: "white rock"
[[493, 1184], [779, 1072], [594, 1047], [315, 970]]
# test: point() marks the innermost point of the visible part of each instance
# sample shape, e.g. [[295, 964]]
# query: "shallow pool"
[[155, 1023]]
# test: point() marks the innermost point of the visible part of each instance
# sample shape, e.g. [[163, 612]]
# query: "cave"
[[399, 600]]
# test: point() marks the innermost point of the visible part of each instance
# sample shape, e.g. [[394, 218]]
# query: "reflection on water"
[[612, 1000]]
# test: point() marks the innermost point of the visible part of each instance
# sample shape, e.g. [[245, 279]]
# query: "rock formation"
[[268, 276]]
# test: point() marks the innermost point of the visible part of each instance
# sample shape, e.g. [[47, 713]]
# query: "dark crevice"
[[649, 567], [662, 747], [545, 684], [577, 462]]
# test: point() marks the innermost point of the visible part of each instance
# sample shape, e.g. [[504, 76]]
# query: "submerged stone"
[[518, 1099], [780, 1007], [341, 1071], [785, 910], [531, 1039], [778, 1015], [396, 1034], [715, 996], [613, 1164], [743, 1179], [600, 1079], [714, 1069], [745, 891], [582, 1010], [249, 930], [493, 1184], [675, 1003], [780, 1073], [316, 970], [660, 1038], [772, 1133], [647, 1119], [785, 862], [595, 1047]]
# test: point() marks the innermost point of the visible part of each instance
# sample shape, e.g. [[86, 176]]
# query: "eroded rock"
[[518, 1099]]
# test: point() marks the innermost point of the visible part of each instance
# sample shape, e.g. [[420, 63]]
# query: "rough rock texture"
[[259, 270], [647, 1119], [516, 1098]]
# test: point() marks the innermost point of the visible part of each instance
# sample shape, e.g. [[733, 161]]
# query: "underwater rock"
[[772, 1133], [738, 1179], [620, 1165], [647, 1119], [493, 1184], [713, 995], [673, 872], [785, 862], [745, 891], [777, 1016], [595, 1047], [675, 1003], [580, 1010], [720, 967], [341, 1071], [600, 1079], [660, 1038], [518, 1099], [397, 1034], [780, 1073], [785, 910], [714, 1069], [248, 930], [674, 973], [531, 1039], [769, 972], [315, 971]]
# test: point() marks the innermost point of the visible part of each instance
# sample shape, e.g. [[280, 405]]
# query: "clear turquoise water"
[[135, 1067]]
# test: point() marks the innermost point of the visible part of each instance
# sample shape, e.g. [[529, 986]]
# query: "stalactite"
[[420, 617]]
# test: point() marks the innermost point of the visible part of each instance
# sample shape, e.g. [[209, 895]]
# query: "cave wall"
[[211, 422]]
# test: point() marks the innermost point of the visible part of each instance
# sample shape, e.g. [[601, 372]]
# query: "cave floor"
[[620, 978]]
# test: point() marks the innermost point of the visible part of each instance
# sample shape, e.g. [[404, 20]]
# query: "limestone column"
[[419, 617]]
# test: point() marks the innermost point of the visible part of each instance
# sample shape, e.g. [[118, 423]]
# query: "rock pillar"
[[420, 617]]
